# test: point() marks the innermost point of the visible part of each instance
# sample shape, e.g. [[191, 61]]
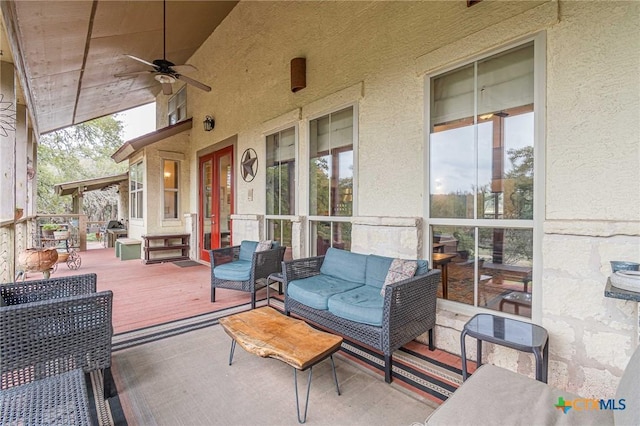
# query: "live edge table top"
[[267, 333]]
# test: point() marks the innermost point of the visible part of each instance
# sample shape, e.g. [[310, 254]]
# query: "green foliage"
[[76, 153]]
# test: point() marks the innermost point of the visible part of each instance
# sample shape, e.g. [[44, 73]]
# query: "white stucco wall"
[[374, 55]]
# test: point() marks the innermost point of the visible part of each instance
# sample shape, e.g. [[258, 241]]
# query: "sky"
[[138, 121]]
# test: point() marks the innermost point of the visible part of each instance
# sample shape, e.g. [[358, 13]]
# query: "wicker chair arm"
[[267, 262], [224, 255], [301, 268], [411, 301], [54, 288], [45, 338]]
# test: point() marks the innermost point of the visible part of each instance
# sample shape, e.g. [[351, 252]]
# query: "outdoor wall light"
[[298, 74], [209, 123]]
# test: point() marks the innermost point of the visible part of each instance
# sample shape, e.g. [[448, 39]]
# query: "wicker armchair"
[[48, 337], [38, 290], [263, 264], [409, 310]]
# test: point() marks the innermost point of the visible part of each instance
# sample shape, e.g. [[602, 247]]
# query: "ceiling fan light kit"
[[164, 71]]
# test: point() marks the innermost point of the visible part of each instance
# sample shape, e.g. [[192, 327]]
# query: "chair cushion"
[[363, 304], [263, 245], [496, 396], [315, 291], [239, 270], [247, 248], [399, 270], [629, 389], [423, 267], [376, 270], [344, 265]]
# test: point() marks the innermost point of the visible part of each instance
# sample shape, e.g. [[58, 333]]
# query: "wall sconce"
[[209, 123], [298, 74]]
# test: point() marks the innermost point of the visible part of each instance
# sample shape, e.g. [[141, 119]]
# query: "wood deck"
[[145, 295]]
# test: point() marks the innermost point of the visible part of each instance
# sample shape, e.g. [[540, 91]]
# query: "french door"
[[216, 201]]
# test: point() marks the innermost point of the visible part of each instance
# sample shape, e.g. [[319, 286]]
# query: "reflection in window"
[[481, 166], [136, 190], [281, 169], [331, 140], [170, 184], [330, 234]]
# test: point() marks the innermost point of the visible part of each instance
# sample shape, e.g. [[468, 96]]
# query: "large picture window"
[[170, 186], [331, 159], [136, 190], [481, 170]]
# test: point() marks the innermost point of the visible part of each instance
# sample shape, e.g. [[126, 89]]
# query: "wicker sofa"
[[240, 267], [50, 327], [341, 292]]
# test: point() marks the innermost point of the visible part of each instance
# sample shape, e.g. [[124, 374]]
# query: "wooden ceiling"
[[67, 52]]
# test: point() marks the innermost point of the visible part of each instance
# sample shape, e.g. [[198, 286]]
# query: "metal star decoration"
[[249, 163]]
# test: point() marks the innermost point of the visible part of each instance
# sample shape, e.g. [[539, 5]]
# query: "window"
[[481, 169], [281, 185], [170, 184], [136, 189], [331, 158], [178, 106]]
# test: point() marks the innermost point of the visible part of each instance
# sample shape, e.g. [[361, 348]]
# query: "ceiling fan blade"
[[132, 74], [179, 69], [193, 82], [140, 60], [166, 89]]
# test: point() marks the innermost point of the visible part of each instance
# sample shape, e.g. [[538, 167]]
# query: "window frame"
[[175, 190], [354, 207], [134, 206], [535, 224], [288, 217]]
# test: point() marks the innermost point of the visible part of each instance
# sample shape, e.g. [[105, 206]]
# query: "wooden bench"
[[167, 246], [267, 333]]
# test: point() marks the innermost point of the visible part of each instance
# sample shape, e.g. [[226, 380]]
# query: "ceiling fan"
[[166, 72]]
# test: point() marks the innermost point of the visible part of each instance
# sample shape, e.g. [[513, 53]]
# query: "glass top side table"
[[519, 335]]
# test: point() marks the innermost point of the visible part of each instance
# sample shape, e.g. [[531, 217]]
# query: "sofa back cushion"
[[246, 250], [378, 267], [344, 265], [629, 389]]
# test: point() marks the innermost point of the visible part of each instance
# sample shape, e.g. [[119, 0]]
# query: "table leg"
[[539, 367], [335, 376], [306, 405], [463, 355], [545, 353], [268, 285], [445, 281], [233, 347], [479, 361]]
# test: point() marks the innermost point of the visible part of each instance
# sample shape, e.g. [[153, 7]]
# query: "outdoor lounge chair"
[[49, 335], [240, 267]]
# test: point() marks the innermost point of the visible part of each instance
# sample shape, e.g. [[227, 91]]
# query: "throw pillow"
[[399, 270], [263, 245]]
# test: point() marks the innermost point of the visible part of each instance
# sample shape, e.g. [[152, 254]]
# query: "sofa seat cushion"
[[496, 396], [239, 270], [315, 291], [344, 265], [363, 304]]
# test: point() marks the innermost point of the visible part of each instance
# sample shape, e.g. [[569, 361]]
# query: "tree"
[[76, 153]]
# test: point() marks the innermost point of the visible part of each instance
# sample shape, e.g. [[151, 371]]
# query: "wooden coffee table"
[[268, 333]]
